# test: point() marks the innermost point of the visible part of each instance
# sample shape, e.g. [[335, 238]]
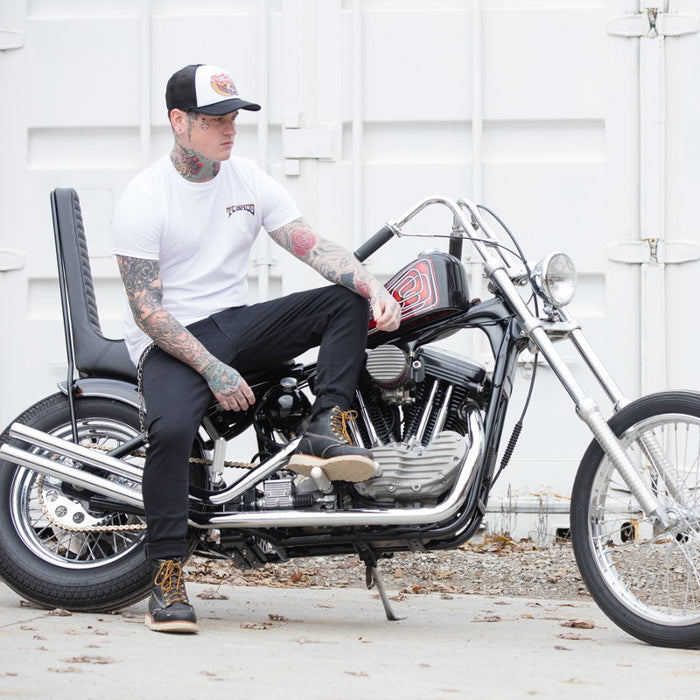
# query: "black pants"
[[248, 338]]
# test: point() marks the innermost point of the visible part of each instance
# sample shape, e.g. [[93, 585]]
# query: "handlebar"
[[373, 244], [467, 219]]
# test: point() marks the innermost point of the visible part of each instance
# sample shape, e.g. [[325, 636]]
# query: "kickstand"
[[374, 578]]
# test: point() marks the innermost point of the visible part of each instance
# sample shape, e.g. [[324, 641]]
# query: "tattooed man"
[[183, 231]]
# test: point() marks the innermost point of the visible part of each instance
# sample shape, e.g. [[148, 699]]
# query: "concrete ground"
[[336, 643]]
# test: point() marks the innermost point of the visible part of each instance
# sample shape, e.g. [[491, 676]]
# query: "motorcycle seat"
[[92, 353]]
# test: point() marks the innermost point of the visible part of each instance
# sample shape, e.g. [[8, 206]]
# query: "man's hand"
[[386, 310], [228, 387]]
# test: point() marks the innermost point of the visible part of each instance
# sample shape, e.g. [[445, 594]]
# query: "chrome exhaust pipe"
[[65, 472], [75, 477], [374, 516], [254, 519], [57, 445]]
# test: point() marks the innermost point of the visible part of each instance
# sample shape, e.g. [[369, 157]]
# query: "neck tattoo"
[[192, 165]]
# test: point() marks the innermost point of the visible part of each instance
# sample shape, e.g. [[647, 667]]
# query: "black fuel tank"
[[434, 285]]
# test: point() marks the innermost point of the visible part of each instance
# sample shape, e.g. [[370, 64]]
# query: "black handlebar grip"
[[373, 244]]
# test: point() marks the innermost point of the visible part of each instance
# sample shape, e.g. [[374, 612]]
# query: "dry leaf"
[[256, 625], [59, 612], [574, 636], [89, 660], [488, 618], [558, 648], [579, 624], [211, 594], [357, 673]]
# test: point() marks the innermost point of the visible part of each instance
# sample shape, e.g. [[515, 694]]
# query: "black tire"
[[644, 579], [52, 567]]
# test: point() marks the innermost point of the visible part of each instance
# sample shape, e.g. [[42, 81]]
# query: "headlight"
[[554, 278]]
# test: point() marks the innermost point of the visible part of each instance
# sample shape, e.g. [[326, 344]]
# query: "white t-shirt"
[[201, 234]]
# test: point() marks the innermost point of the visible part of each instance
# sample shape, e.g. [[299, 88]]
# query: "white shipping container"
[[576, 120]]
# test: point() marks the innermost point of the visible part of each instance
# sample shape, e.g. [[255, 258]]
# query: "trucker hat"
[[205, 89]]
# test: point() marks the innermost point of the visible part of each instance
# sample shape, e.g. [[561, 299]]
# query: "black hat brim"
[[227, 106]]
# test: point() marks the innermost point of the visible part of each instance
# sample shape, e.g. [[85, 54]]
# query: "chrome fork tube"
[[586, 407], [594, 363]]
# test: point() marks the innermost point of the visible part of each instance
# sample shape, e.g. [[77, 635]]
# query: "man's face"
[[211, 137]]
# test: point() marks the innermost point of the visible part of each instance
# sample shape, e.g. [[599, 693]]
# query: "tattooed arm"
[[144, 291], [339, 266]]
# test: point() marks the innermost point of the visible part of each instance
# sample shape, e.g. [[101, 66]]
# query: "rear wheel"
[[58, 549], [644, 577]]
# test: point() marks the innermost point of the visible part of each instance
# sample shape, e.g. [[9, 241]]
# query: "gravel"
[[493, 565]]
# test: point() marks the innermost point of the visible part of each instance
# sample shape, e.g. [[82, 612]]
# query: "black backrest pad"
[[94, 354]]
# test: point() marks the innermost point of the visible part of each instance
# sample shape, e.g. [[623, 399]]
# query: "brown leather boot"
[[327, 444], [169, 609]]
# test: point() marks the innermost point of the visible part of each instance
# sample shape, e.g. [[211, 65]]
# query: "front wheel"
[[644, 577]]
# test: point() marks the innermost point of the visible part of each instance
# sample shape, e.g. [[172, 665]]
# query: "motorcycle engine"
[[415, 417]]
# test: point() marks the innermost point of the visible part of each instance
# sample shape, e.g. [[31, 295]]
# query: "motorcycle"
[[72, 521]]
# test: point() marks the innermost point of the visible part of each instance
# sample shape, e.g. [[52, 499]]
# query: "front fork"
[[588, 410]]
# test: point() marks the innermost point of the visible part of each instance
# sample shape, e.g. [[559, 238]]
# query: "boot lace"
[[339, 421], [169, 578]]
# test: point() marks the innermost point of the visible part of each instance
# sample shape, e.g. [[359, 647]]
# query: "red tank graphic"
[[428, 288]]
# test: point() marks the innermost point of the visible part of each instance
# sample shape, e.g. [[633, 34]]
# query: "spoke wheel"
[[56, 548], [645, 577], [62, 529]]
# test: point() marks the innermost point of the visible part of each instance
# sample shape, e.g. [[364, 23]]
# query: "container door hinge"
[[299, 143], [653, 251], [652, 22], [11, 39]]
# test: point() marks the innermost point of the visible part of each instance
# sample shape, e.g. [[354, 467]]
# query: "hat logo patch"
[[223, 85]]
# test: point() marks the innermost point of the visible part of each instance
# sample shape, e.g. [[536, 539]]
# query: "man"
[[183, 231]]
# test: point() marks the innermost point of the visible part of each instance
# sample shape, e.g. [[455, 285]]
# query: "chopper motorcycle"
[[72, 522]]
